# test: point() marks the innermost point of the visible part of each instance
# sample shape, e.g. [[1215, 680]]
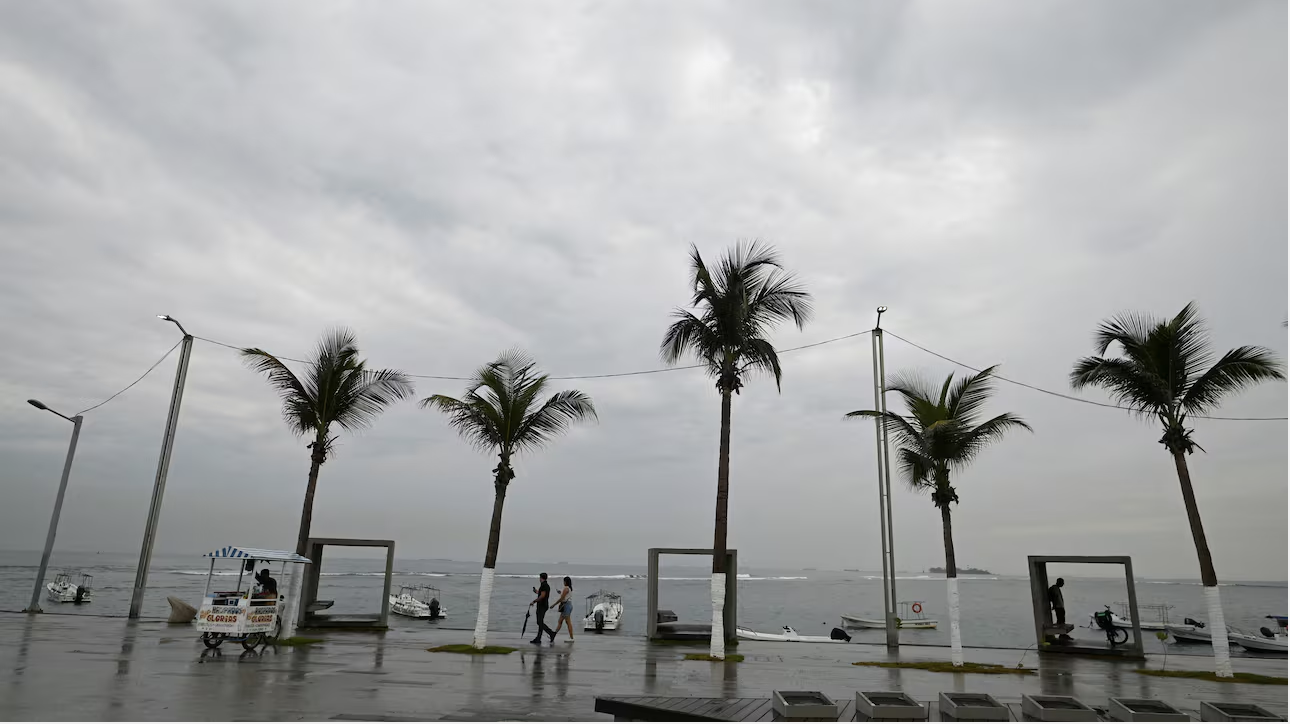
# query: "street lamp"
[[163, 467], [34, 607], [884, 486]]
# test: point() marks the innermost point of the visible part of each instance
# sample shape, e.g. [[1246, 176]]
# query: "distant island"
[[967, 571]]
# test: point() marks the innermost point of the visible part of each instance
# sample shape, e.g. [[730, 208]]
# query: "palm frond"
[[1127, 382], [1239, 368], [978, 438], [297, 411], [759, 355], [556, 415], [969, 394], [474, 419]]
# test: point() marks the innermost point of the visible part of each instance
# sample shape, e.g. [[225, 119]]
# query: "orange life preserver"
[[916, 608]]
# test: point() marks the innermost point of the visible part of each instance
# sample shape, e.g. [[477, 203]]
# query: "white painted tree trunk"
[[485, 597], [956, 640], [1218, 627], [718, 648], [290, 611]]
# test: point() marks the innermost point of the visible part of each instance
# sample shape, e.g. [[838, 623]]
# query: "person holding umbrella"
[[543, 602]]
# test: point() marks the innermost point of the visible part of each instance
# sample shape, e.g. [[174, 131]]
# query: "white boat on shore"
[[407, 603], [910, 616], [787, 634], [604, 611], [62, 590]]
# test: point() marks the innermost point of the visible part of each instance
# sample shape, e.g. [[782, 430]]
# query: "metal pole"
[[888, 604], [893, 635], [159, 486], [53, 520]]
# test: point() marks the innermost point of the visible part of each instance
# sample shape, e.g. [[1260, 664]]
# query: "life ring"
[[916, 608]]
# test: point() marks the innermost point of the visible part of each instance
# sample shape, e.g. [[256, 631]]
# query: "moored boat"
[[62, 590], [788, 635], [911, 616], [604, 611], [417, 602]]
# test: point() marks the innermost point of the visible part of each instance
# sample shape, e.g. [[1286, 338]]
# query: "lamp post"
[[163, 467], [34, 607], [884, 487]]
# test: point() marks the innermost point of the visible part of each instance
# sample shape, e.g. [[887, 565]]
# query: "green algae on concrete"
[[730, 658], [1238, 677], [968, 667], [468, 649]]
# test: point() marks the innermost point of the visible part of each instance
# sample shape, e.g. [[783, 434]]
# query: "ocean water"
[[996, 610]]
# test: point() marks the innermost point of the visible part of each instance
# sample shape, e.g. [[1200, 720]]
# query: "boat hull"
[[1190, 635], [788, 637], [909, 623], [1250, 642], [612, 615], [61, 594], [413, 608]]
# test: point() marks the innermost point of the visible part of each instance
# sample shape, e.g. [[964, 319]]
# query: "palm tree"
[[337, 388], [1166, 372], [737, 304], [502, 412], [943, 434]]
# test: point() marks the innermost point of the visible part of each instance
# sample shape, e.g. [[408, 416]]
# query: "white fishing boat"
[[787, 634], [62, 590], [604, 611], [1266, 640], [417, 602], [910, 616]]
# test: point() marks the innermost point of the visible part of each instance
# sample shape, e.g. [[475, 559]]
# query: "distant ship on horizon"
[[968, 570]]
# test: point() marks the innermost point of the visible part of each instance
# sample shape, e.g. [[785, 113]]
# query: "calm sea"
[[996, 610]]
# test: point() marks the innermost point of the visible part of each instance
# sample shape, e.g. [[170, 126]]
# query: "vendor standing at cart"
[[268, 585]]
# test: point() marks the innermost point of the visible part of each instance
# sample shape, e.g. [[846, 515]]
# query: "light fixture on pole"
[[884, 486], [163, 467], [34, 607]]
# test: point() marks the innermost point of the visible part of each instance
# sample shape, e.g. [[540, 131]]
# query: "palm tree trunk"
[[719, 572], [318, 454], [1208, 578], [952, 588], [490, 563]]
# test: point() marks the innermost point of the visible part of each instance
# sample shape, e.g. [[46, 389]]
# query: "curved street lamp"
[[34, 606]]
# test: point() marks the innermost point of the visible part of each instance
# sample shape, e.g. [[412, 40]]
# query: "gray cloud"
[[452, 181]]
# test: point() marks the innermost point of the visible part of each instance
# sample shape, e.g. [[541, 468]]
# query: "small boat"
[[787, 634], [604, 611], [1190, 632], [407, 603], [911, 616], [1266, 640], [62, 590]]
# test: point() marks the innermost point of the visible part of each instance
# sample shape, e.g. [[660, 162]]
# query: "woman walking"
[[565, 606]]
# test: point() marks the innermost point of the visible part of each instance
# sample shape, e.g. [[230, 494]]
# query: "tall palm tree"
[[737, 304], [502, 411], [1166, 372], [337, 388], [943, 434]]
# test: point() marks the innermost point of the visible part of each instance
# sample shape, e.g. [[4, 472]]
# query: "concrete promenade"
[[89, 667]]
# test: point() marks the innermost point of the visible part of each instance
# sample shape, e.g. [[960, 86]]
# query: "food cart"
[[245, 613]]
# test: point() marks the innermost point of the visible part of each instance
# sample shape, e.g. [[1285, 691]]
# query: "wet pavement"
[[82, 667]]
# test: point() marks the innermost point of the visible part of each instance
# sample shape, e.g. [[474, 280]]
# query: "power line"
[[572, 377], [1064, 396], [132, 384]]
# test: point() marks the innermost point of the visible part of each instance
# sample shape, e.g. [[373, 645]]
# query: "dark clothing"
[[1058, 603], [1055, 597], [544, 602], [267, 583]]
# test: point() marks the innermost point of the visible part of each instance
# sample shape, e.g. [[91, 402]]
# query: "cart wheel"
[[252, 641], [212, 640]]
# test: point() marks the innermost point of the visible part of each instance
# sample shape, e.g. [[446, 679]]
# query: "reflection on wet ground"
[[82, 667]]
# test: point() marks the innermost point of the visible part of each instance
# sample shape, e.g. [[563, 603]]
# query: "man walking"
[[543, 602]]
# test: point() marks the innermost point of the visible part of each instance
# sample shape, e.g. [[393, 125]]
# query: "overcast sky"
[[453, 179]]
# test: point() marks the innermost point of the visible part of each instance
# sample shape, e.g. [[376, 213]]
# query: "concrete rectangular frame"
[[309, 594], [1038, 566], [732, 579]]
